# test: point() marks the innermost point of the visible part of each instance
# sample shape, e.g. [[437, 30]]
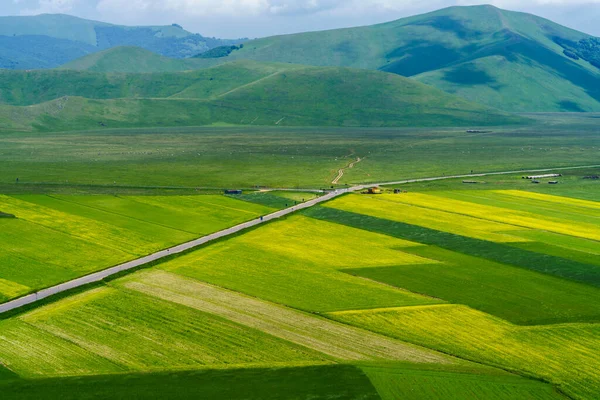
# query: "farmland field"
[[403, 211], [219, 157], [57, 238], [269, 263], [448, 291], [470, 235], [566, 355], [429, 295]]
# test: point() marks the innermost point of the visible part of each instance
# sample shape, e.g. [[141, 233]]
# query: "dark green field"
[[319, 383]]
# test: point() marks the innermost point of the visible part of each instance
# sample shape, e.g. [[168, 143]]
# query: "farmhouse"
[[234, 191]]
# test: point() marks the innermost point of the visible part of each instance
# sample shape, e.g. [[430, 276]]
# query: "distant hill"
[[51, 40], [513, 61], [133, 59], [242, 93]]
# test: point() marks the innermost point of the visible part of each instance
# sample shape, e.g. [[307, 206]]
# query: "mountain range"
[[508, 60], [460, 66], [50, 40]]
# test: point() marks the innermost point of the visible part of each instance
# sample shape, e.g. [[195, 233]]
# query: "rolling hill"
[[51, 40], [131, 59], [242, 93], [513, 61]]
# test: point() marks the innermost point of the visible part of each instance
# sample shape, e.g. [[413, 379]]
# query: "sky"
[[258, 18]]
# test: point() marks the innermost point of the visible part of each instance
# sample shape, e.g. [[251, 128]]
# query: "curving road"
[[98, 276]]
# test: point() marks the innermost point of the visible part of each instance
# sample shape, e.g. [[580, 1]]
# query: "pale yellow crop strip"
[[381, 207], [497, 214], [331, 245], [336, 340], [564, 210], [551, 198]]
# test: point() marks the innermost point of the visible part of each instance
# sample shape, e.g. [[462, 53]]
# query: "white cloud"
[[187, 7], [267, 17], [50, 6]]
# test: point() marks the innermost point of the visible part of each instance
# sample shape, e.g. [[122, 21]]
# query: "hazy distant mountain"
[[50, 40]]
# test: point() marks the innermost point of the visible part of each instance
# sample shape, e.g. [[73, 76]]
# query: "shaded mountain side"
[[523, 76], [34, 51], [243, 93]]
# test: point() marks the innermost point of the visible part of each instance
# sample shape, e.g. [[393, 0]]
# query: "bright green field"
[[271, 261], [58, 238], [123, 329]]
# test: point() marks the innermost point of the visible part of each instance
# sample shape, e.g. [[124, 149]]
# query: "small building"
[[235, 191], [535, 177], [374, 190]]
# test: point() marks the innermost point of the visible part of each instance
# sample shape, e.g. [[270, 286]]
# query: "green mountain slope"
[[476, 39], [24, 88], [132, 59], [50, 40], [237, 93]]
